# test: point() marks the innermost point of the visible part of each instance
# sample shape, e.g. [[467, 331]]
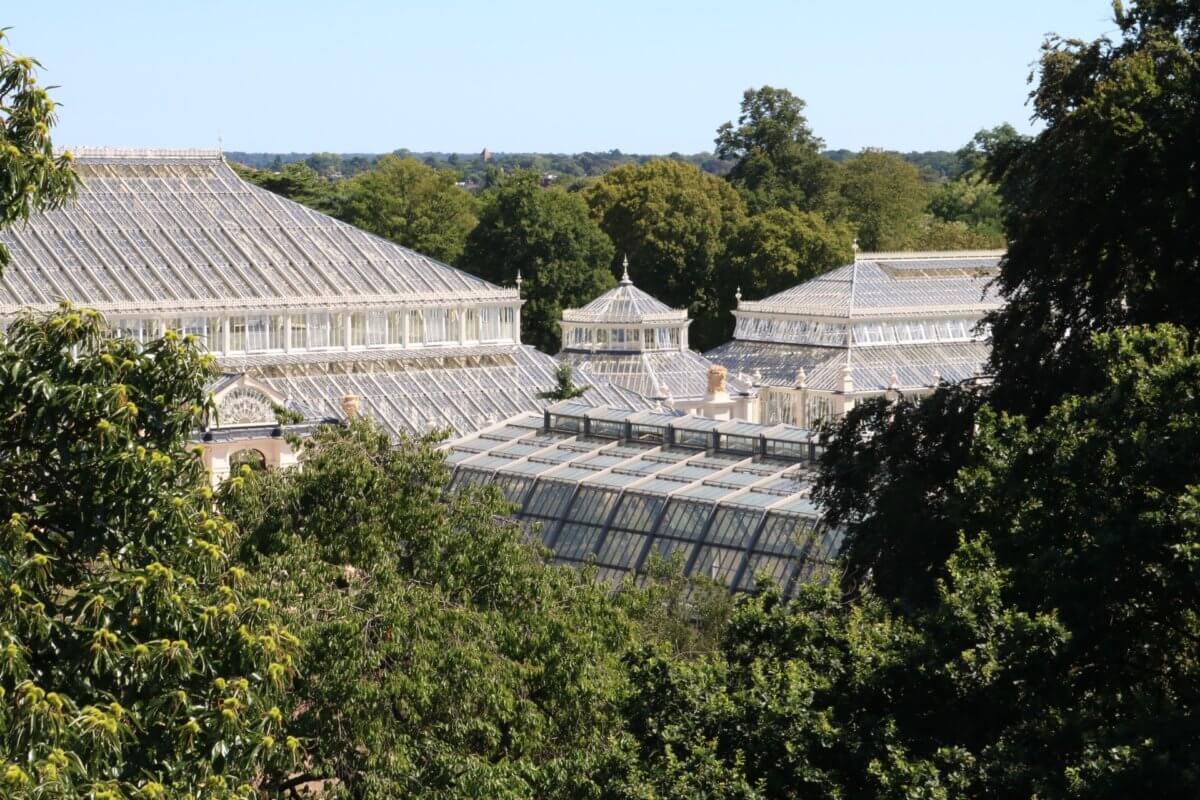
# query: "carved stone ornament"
[[245, 406], [716, 380]]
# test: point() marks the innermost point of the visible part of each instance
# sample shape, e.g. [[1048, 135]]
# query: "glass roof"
[[679, 374], [626, 303], [415, 394], [915, 366], [902, 284], [730, 515], [180, 230]]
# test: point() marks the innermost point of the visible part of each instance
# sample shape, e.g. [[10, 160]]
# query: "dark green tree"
[[777, 159], [780, 248], [547, 237], [412, 204], [1094, 517], [295, 181], [1100, 206], [973, 156], [674, 222]]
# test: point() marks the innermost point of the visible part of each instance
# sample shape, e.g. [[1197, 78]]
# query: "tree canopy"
[[32, 177], [781, 248], [412, 204], [673, 222], [547, 236], [1101, 210], [777, 158], [443, 656], [884, 198], [296, 181], [135, 658]]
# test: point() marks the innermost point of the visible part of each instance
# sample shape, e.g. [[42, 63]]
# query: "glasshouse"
[[888, 324], [729, 499], [309, 308], [634, 341]]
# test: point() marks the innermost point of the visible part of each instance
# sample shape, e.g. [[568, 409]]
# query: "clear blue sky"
[[651, 76]]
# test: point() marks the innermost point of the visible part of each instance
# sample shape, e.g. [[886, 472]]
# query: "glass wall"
[[322, 330]]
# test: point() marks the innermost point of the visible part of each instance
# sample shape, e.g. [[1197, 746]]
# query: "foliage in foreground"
[[32, 177], [444, 657], [134, 658]]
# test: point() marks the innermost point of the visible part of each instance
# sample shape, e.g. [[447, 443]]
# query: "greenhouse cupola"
[[639, 343]]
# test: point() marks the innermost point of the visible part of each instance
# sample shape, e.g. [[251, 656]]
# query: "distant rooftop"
[[893, 284]]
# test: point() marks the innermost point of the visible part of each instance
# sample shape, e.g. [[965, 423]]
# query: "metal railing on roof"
[[779, 441]]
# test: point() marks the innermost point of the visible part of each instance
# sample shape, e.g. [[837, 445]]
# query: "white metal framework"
[[174, 239], [888, 323], [635, 341]]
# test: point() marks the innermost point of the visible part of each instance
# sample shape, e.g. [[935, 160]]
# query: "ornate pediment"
[[246, 402]]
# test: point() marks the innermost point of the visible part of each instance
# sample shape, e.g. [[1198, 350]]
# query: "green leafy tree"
[[780, 248], [296, 181], [971, 201], [444, 657], [1101, 204], [674, 222], [564, 388], [974, 155], [885, 475], [548, 237], [794, 704], [327, 165], [1094, 515], [135, 659], [777, 159], [412, 204], [32, 177], [885, 199]]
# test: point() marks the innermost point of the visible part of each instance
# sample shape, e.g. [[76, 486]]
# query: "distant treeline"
[[935, 165]]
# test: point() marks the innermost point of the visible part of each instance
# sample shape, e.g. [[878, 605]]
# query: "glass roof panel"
[[549, 498], [638, 512], [622, 549], [685, 519], [733, 527], [575, 541], [721, 564]]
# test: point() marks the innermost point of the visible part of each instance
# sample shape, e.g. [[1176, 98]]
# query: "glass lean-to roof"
[[728, 514]]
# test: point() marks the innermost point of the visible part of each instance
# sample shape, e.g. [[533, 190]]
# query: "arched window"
[[253, 458]]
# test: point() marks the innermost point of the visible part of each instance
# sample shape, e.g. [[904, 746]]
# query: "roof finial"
[[855, 246], [625, 281], [738, 294], [519, 281]]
